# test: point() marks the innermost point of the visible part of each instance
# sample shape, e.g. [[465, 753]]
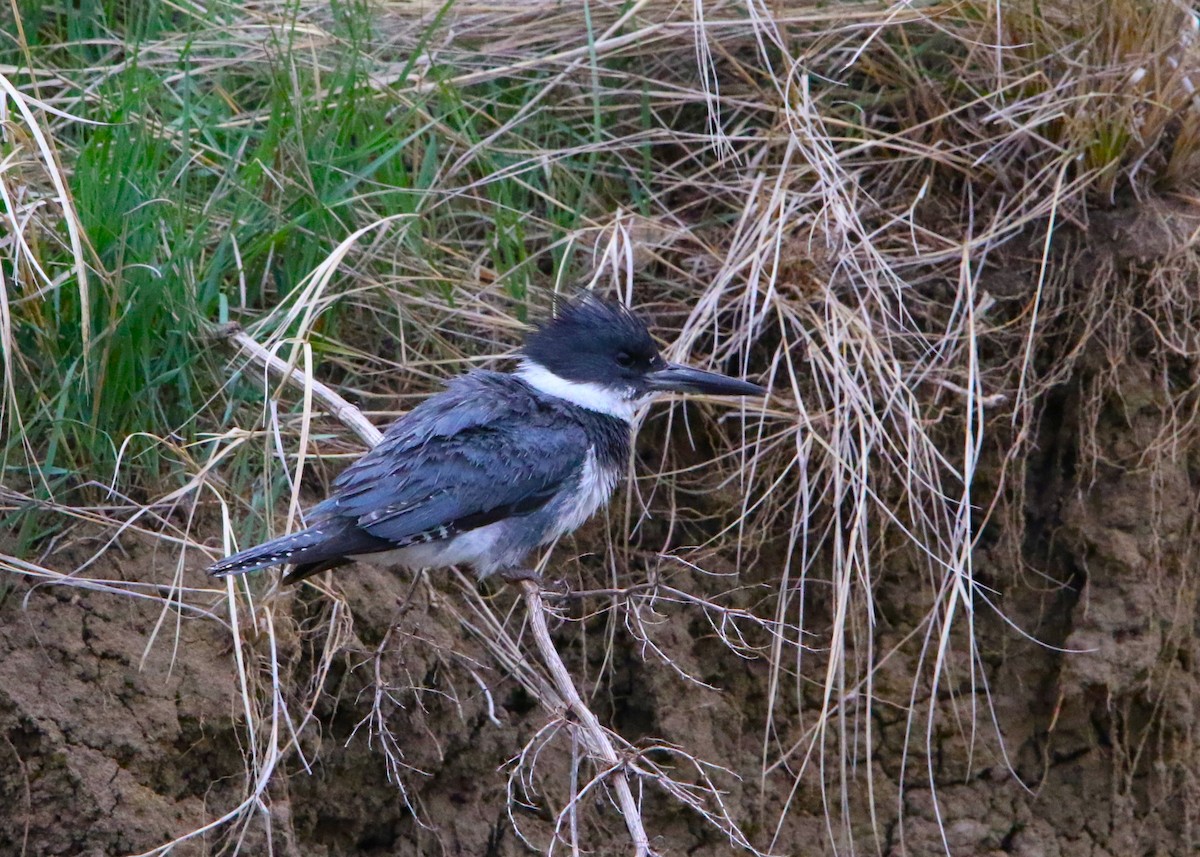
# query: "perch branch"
[[588, 726], [590, 730]]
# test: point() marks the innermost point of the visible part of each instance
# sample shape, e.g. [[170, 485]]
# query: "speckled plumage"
[[481, 473]]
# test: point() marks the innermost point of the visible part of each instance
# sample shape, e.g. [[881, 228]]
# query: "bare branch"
[[337, 407], [589, 729]]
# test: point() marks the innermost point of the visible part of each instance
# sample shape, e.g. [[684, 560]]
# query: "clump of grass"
[[224, 154]]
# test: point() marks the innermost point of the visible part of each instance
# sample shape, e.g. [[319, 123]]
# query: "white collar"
[[595, 397]]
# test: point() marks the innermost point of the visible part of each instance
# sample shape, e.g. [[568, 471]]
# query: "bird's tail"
[[304, 546]]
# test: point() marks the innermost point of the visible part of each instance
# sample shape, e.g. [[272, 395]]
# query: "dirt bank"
[[125, 722]]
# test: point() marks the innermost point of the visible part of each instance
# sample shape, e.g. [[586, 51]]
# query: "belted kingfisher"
[[497, 464]]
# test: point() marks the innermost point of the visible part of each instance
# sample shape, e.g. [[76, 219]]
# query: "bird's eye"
[[624, 359]]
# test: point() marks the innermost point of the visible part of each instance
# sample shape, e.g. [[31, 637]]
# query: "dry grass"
[[875, 208]]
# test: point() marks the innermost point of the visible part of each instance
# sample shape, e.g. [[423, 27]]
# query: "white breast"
[[596, 485]]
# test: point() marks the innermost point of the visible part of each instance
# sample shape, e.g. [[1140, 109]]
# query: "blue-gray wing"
[[483, 450]]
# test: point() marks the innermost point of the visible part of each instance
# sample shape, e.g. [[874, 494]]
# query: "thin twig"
[[590, 730], [337, 407]]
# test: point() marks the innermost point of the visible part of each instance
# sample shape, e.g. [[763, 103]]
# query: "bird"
[[497, 464]]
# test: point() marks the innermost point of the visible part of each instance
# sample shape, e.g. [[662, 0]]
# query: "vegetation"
[[882, 210]]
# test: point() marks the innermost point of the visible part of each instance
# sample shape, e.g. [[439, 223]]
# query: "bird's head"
[[599, 354]]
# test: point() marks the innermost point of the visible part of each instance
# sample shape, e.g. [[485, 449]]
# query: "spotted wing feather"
[[308, 547], [484, 450]]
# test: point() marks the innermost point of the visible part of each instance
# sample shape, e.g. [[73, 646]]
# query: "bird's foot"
[[514, 576], [518, 575]]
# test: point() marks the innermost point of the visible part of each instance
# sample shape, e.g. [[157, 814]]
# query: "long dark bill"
[[677, 378]]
